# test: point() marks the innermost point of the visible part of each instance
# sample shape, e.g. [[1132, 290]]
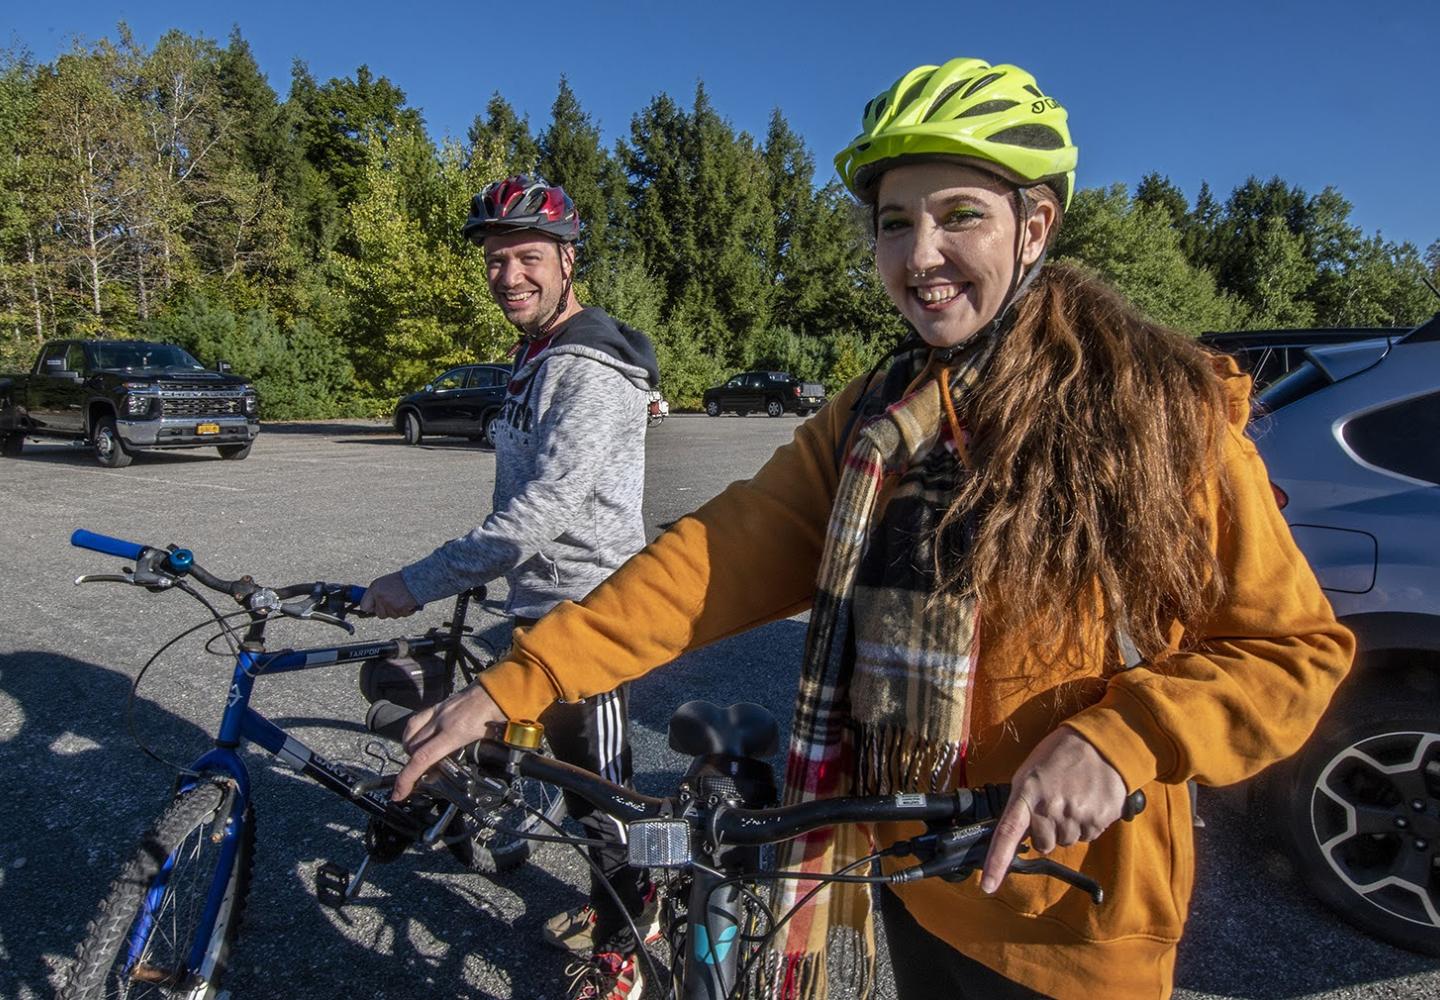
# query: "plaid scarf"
[[884, 691]]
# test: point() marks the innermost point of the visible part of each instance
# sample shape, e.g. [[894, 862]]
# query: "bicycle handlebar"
[[163, 567], [732, 824], [104, 543]]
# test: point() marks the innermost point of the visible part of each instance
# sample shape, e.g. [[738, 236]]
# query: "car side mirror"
[[223, 367]]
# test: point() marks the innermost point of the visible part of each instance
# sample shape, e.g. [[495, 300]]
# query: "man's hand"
[[435, 733], [388, 597], [1064, 792]]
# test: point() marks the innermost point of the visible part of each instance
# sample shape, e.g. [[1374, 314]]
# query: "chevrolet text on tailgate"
[[123, 396]]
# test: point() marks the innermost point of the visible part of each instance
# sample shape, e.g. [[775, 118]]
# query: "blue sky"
[[1321, 92]]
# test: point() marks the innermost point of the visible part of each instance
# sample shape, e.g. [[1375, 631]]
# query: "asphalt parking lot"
[[345, 502]]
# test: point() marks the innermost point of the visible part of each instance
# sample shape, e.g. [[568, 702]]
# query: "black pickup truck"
[[122, 396], [773, 392]]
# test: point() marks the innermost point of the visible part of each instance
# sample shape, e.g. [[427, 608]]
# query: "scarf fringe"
[[890, 759], [804, 975]]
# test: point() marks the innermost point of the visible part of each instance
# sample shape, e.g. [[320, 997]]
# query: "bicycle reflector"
[[660, 842]]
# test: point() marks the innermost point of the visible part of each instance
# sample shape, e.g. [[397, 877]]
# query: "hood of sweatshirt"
[[594, 334]]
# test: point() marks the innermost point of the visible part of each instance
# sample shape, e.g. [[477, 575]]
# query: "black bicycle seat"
[[742, 730]]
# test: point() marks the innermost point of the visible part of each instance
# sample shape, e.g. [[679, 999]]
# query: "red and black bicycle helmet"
[[525, 201]]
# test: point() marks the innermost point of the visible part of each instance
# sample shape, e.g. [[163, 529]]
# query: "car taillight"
[[797, 390], [1280, 498]]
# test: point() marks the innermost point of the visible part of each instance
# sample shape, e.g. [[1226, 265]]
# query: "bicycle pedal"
[[332, 885]]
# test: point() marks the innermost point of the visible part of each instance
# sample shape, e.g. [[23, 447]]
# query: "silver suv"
[[1352, 441]]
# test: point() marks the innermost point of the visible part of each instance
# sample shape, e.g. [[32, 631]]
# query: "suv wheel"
[[492, 428], [109, 452], [1363, 819], [712, 408], [774, 407], [411, 428]]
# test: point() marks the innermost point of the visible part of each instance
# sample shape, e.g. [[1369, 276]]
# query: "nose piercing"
[[919, 275]]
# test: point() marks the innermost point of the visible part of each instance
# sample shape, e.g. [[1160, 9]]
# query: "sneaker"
[[574, 930], [606, 976]]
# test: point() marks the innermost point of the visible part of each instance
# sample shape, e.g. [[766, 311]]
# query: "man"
[[569, 476]]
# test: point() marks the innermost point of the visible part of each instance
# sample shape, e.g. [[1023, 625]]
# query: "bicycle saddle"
[[742, 730]]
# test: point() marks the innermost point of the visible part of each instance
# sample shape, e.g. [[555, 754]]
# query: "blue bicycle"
[[171, 918]]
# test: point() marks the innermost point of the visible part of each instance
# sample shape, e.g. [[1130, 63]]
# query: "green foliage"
[[417, 301], [1133, 245], [313, 240], [297, 372]]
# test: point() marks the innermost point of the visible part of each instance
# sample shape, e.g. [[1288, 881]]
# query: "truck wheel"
[[712, 408], [775, 408], [234, 452], [109, 452], [11, 444], [411, 428]]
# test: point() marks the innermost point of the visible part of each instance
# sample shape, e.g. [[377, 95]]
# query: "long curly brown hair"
[[1094, 435]]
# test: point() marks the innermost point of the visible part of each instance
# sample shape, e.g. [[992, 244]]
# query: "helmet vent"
[[945, 95], [987, 108], [1030, 137], [1034, 90], [983, 82], [913, 92]]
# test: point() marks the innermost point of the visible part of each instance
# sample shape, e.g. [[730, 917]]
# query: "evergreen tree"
[[501, 137], [571, 156], [1136, 248]]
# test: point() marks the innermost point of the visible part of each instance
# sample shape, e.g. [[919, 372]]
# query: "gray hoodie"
[[569, 473]]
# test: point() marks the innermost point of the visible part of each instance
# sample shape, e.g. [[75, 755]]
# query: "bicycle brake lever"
[[331, 620], [1054, 869], [104, 578]]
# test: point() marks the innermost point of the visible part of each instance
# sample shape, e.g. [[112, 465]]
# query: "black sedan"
[[461, 402]]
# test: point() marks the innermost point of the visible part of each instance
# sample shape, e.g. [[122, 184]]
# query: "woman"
[[1049, 556]]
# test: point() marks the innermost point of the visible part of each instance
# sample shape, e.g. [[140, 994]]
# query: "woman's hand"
[[436, 732], [1064, 792]]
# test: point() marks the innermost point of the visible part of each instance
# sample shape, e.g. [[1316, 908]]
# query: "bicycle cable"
[[135, 688], [599, 872]]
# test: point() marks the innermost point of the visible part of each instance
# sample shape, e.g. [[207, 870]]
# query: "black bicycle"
[[705, 841], [171, 918]]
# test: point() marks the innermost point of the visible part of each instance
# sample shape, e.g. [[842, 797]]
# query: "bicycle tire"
[[488, 850], [178, 859]]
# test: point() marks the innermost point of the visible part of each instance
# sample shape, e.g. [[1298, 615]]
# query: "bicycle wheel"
[[140, 943], [478, 845]]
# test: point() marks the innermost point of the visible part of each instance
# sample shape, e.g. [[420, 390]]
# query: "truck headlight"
[[252, 404], [137, 406]]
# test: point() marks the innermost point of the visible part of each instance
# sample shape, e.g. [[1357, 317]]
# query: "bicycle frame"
[[240, 724]]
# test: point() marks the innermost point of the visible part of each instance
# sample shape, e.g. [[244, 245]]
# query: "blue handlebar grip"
[[353, 594], [104, 543]]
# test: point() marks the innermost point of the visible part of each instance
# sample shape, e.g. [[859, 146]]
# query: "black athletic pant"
[[595, 734], [927, 967]]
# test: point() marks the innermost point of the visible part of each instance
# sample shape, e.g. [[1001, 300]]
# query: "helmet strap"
[[566, 283], [1021, 278]]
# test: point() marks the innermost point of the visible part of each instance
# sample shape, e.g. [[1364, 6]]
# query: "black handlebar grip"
[[1134, 805], [388, 719]]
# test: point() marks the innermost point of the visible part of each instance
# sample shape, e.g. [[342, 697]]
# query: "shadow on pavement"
[[81, 795]]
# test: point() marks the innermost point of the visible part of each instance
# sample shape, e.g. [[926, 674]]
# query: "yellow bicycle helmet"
[[964, 108]]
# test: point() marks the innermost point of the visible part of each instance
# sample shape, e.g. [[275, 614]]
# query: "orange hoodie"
[[1246, 692]]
